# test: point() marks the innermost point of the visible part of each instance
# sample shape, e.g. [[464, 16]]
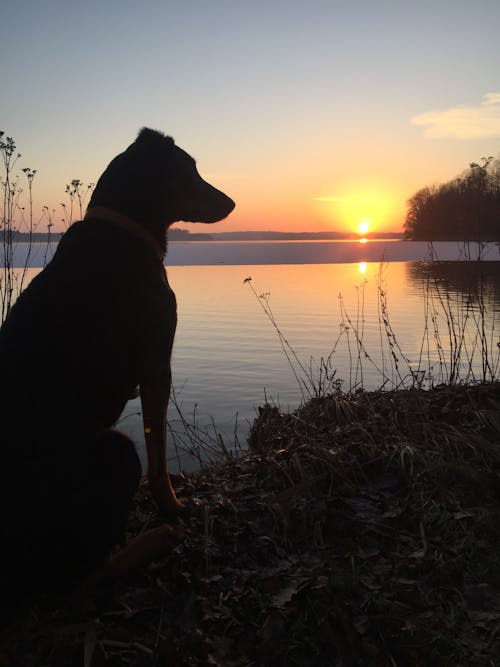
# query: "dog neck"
[[126, 223]]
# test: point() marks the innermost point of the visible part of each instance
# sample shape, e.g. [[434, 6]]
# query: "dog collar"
[[126, 223]]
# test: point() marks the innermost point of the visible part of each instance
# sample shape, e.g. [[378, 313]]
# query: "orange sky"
[[309, 191], [311, 118]]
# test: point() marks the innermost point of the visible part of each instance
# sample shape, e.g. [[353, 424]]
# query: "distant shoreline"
[[185, 235]]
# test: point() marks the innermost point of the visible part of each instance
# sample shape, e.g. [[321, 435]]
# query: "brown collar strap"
[[126, 223]]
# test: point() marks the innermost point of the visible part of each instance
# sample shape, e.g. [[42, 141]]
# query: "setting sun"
[[364, 225], [362, 208]]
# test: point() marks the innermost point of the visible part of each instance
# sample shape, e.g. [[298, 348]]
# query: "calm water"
[[325, 298], [205, 253]]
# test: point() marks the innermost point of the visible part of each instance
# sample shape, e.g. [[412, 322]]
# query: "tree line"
[[464, 209]]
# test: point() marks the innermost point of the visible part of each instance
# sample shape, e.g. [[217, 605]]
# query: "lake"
[[376, 313]]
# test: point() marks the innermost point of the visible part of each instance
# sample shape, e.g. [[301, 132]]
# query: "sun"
[[364, 225], [362, 208]]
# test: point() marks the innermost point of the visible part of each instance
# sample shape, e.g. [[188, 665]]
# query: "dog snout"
[[207, 204], [222, 207]]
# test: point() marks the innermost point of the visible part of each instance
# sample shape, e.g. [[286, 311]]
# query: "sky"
[[313, 115]]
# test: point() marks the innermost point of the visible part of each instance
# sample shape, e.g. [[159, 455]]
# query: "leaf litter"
[[361, 529]]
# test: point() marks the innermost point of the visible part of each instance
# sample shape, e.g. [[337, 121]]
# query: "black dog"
[[96, 323]]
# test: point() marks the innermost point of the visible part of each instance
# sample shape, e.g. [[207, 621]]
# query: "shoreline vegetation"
[[361, 529], [464, 209]]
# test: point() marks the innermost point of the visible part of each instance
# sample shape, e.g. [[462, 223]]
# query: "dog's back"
[[79, 338]]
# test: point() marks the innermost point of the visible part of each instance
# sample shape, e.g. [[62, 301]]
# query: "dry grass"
[[360, 530]]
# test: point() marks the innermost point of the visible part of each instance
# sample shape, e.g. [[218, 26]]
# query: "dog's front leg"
[[154, 400]]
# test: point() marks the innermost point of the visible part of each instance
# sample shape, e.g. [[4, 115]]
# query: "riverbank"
[[358, 530]]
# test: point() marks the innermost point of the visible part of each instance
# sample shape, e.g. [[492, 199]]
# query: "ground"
[[360, 530]]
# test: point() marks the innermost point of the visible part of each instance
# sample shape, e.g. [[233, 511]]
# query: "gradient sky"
[[311, 114]]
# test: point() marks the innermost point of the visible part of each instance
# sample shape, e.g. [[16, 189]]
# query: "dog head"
[[156, 183]]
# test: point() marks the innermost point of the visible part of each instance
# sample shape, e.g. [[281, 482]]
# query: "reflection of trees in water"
[[471, 280], [462, 318]]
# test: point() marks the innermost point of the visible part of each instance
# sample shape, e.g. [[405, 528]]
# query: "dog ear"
[[153, 138]]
